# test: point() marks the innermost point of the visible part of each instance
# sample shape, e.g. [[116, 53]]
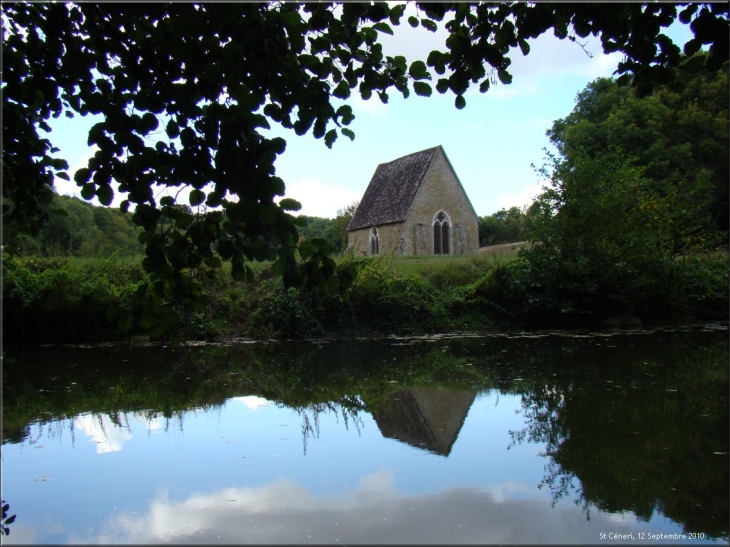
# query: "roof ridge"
[[392, 188], [412, 154]]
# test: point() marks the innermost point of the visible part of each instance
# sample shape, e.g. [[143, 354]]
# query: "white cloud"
[[373, 106], [110, 437], [549, 57], [107, 436], [319, 199], [526, 197], [375, 512], [252, 401]]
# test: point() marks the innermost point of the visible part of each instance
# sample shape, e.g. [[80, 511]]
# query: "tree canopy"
[[679, 136], [636, 184], [184, 88]]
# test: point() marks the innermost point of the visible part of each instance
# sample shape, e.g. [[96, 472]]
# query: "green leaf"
[[82, 176], [105, 195], [623, 80], [413, 21], [694, 64], [238, 272], [173, 130], [442, 86], [323, 247], [278, 145], [307, 249], [147, 320], [685, 16], [418, 71], [126, 321], [383, 27], [213, 262], [346, 112], [63, 176], [39, 99], [396, 12], [342, 90], [277, 268], [330, 137], [88, 191], [369, 34], [692, 46], [422, 89], [524, 46], [149, 123], [267, 213], [348, 133], [196, 197], [460, 102], [289, 204], [429, 25], [214, 199], [504, 76]]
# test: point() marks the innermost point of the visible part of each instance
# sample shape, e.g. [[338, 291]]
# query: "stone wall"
[[390, 235], [440, 191]]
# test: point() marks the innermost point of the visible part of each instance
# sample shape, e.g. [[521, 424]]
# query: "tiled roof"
[[392, 189]]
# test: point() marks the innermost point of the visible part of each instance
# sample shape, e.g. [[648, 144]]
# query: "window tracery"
[[441, 233]]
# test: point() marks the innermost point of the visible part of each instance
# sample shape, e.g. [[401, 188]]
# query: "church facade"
[[415, 205]]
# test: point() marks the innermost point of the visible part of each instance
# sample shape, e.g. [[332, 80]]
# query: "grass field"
[[452, 269], [428, 264]]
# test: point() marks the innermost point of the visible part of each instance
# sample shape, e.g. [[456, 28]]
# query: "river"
[[547, 437]]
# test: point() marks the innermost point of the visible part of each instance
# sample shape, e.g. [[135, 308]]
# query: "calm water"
[[540, 438]]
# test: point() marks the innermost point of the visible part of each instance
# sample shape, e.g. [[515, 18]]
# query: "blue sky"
[[491, 143]]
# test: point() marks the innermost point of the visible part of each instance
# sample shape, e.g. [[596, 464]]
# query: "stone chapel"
[[415, 205]]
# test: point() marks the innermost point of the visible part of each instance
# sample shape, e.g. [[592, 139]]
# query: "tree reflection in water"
[[348, 408], [645, 437], [634, 424]]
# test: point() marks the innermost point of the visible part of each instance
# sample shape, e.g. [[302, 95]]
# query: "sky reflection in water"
[[641, 429], [238, 474]]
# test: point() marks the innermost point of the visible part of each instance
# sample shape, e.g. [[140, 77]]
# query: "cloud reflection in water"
[[286, 512]]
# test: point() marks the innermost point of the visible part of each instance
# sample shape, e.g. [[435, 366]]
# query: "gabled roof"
[[425, 417], [392, 190]]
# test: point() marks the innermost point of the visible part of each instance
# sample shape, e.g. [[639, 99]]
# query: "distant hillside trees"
[[84, 230], [504, 226], [333, 231], [321, 228]]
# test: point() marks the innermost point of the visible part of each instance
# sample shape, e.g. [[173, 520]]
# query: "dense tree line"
[[78, 228], [504, 226], [678, 136], [333, 231], [634, 203]]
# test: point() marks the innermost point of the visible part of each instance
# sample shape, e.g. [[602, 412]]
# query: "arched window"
[[374, 241], [441, 236]]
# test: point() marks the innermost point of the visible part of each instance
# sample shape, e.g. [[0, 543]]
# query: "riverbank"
[[66, 300]]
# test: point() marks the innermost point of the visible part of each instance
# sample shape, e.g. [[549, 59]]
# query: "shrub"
[[60, 299], [382, 299], [284, 313]]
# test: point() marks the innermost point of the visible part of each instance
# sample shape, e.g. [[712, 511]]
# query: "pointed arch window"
[[441, 233], [374, 241]]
